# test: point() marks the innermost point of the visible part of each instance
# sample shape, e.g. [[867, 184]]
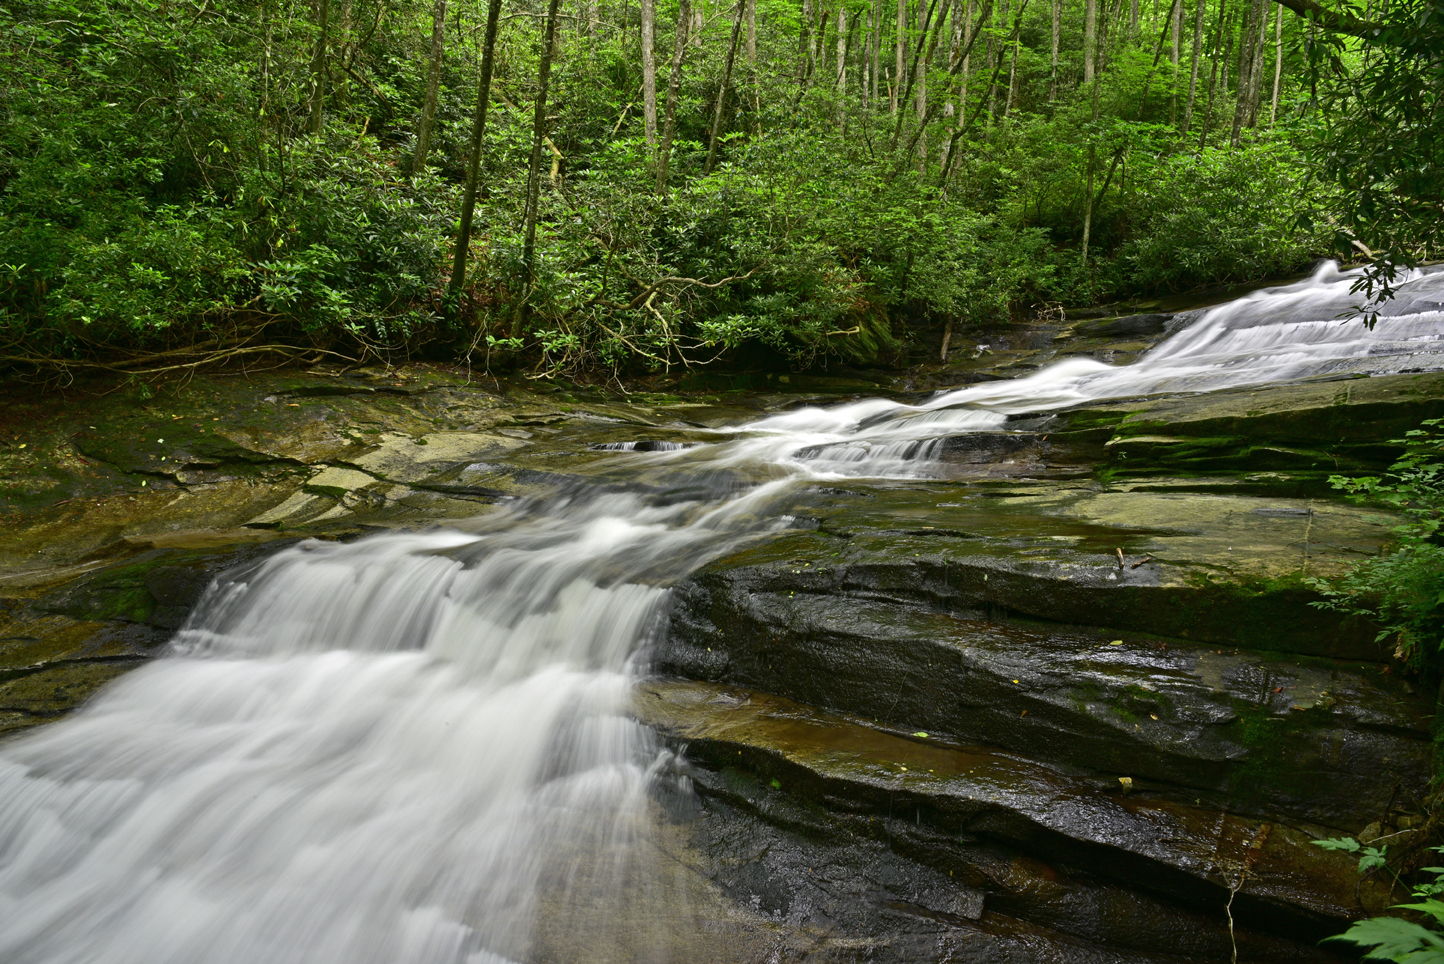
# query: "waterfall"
[[416, 747]]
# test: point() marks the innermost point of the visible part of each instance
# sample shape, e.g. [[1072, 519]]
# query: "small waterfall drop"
[[415, 748]]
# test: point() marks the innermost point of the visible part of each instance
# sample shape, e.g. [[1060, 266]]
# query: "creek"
[[423, 746]]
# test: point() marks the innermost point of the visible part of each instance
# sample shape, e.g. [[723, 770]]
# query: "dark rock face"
[[1128, 326], [158, 588], [1259, 734], [931, 851]]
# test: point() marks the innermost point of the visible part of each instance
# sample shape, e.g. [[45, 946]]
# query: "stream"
[[416, 746]]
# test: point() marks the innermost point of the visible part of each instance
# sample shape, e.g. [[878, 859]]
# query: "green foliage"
[[1403, 590], [1381, 135], [161, 184], [1393, 938], [1370, 858]]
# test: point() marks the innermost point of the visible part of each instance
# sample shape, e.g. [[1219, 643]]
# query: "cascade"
[[415, 746]]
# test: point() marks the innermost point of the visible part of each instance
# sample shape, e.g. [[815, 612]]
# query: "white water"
[[402, 750]]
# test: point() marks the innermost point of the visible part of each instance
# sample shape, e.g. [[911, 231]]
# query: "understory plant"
[[1394, 938], [1403, 589]]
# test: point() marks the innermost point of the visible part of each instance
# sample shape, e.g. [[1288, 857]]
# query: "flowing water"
[[416, 747]]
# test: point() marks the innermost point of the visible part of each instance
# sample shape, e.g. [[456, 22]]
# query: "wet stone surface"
[[1052, 707]]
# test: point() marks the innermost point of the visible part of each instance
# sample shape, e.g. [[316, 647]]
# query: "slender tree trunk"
[[533, 175], [1012, 81], [722, 90], [752, 31], [842, 43], [433, 82], [876, 49], [1255, 91], [902, 27], [1057, 12], [649, 73], [318, 65], [1090, 39], [1218, 32], [1087, 208], [1133, 21], [969, 39], [804, 43], [674, 85], [473, 164], [1176, 31], [1246, 46], [1278, 66], [1193, 71]]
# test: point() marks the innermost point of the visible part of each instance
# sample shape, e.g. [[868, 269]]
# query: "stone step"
[[1016, 838]]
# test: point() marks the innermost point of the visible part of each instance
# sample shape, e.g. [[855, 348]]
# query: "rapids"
[[412, 747]]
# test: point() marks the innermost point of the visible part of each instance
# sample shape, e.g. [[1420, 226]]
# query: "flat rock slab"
[[1229, 570], [1257, 733], [1188, 856]]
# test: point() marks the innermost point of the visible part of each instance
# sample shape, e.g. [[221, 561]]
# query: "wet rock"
[[844, 820], [1126, 326], [1332, 743]]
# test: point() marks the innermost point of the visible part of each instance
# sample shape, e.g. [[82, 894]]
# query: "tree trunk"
[[1133, 21], [649, 73], [752, 31], [876, 50], [897, 74], [1090, 39], [1246, 46], [1193, 71], [1176, 31], [1278, 66], [842, 43], [674, 84], [1255, 84], [1087, 209], [318, 66], [722, 90], [533, 174], [804, 43], [1057, 12], [473, 166], [1218, 32], [433, 82]]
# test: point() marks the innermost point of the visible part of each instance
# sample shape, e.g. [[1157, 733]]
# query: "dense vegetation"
[[181, 179]]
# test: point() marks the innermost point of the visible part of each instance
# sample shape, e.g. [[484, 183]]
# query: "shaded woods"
[[643, 186]]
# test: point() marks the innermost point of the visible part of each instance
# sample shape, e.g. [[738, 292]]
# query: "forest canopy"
[[666, 182]]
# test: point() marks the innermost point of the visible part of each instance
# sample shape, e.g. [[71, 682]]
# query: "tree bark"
[[722, 90], [1090, 39], [897, 74], [473, 167], [433, 83], [1133, 21], [1193, 71], [674, 85], [1245, 71], [804, 43], [1278, 66], [842, 44], [318, 66], [649, 73], [1057, 12], [752, 31], [533, 176], [1218, 32], [1256, 79]]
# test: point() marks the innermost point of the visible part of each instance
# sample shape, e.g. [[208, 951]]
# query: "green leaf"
[[1397, 940]]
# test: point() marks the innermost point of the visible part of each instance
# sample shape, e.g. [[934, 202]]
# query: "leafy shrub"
[[1404, 589], [1393, 938]]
